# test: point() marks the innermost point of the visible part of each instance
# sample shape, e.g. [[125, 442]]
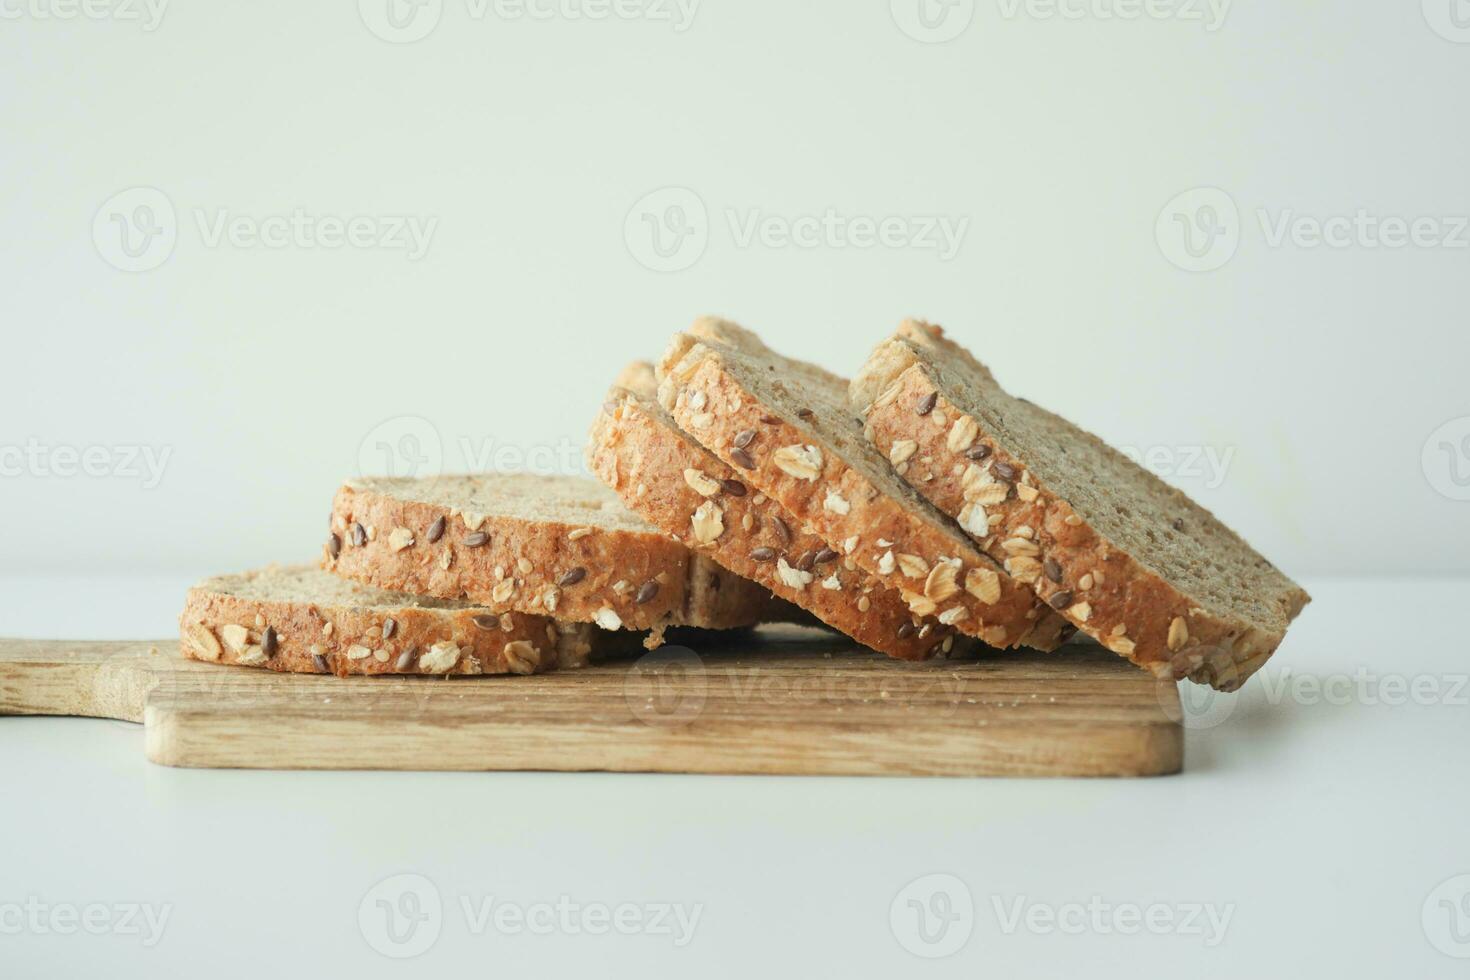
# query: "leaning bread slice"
[[303, 620], [546, 545], [683, 489], [785, 426], [1130, 560]]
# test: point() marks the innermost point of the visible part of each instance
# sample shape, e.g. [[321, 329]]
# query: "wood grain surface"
[[783, 700]]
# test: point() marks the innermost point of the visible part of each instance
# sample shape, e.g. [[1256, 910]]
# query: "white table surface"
[[1329, 833]]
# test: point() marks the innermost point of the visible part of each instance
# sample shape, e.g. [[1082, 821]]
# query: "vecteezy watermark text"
[[1201, 708], [1363, 229], [403, 915], [669, 688], [1206, 921], [934, 915], [1206, 465], [413, 446], [938, 233], [146, 13], [123, 462], [937, 21], [406, 21], [566, 917], [1210, 14], [138, 229], [1368, 688], [40, 918], [668, 230], [299, 228], [1201, 229]]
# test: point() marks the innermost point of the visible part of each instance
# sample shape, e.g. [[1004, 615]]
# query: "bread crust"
[[694, 371], [351, 640], [535, 557], [692, 495], [1095, 584]]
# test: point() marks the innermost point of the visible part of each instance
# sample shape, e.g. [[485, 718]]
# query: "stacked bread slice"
[[488, 574], [1128, 559], [683, 489], [303, 620], [541, 545], [919, 509], [786, 427]]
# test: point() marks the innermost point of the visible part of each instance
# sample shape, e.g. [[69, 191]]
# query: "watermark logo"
[[136, 230], [146, 13], [402, 916], [1199, 230], [933, 916], [401, 21], [1446, 917], [403, 446], [932, 21], [1194, 706], [667, 688], [667, 230], [1446, 459], [1450, 19]]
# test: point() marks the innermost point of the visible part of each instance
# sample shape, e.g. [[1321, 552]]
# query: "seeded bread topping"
[[303, 620], [1126, 558], [701, 500], [786, 427], [543, 545]]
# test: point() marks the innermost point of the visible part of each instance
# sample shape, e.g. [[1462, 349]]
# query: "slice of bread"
[[1130, 560], [545, 545], [786, 428], [681, 488], [303, 620]]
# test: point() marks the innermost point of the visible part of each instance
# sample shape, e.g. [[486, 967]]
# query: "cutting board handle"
[[90, 678]]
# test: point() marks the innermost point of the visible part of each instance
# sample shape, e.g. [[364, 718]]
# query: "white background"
[[1326, 382], [1319, 372]]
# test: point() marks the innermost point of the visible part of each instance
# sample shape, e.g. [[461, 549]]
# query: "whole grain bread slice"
[[1130, 560], [786, 428], [546, 545], [303, 620], [684, 490]]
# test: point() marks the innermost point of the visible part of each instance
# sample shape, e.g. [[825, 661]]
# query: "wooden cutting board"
[[786, 701]]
